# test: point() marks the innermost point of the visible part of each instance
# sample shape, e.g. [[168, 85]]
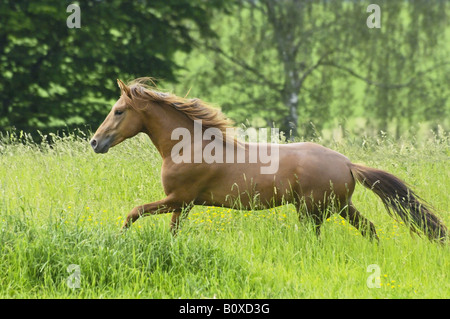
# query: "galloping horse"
[[312, 177]]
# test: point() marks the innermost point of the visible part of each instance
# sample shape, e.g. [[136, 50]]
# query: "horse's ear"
[[123, 88]]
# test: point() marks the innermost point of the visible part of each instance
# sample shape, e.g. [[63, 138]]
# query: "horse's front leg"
[[163, 206]]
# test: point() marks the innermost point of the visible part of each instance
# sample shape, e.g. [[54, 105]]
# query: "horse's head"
[[122, 122]]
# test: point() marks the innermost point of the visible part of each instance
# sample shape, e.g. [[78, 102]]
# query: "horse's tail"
[[396, 195]]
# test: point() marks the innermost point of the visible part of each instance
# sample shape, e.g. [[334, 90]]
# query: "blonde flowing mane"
[[195, 109]]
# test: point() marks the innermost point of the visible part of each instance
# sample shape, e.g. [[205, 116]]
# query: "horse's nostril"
[[94, 143]]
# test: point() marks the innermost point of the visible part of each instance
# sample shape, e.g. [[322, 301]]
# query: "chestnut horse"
[[317, 180]]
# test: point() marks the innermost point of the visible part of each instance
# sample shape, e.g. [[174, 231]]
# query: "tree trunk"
[[290, 125]]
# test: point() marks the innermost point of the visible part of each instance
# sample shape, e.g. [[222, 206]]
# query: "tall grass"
[[62, 204]]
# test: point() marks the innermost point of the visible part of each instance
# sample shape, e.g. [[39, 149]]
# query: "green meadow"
[[61, 204]]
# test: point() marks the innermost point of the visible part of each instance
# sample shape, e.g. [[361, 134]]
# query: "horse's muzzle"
[[100, 146]]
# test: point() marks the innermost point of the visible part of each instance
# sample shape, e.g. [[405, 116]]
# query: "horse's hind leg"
[[313, 213], [359, 221], [317, 218]]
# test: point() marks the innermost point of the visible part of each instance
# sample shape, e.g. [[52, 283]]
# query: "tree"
[[53, 76], [290, 58]]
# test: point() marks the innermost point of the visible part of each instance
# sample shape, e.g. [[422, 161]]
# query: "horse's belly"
[[249, 191]]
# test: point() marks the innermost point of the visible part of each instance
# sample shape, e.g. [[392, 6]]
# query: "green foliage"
[[301, 65], [317, 62], [53, 76]]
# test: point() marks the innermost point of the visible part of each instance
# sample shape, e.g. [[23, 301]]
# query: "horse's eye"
[[117, 112]]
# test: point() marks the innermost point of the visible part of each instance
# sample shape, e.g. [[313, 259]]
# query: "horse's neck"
[[161, 121]]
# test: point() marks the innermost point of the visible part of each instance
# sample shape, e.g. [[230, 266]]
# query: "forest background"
[[310, 68]]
